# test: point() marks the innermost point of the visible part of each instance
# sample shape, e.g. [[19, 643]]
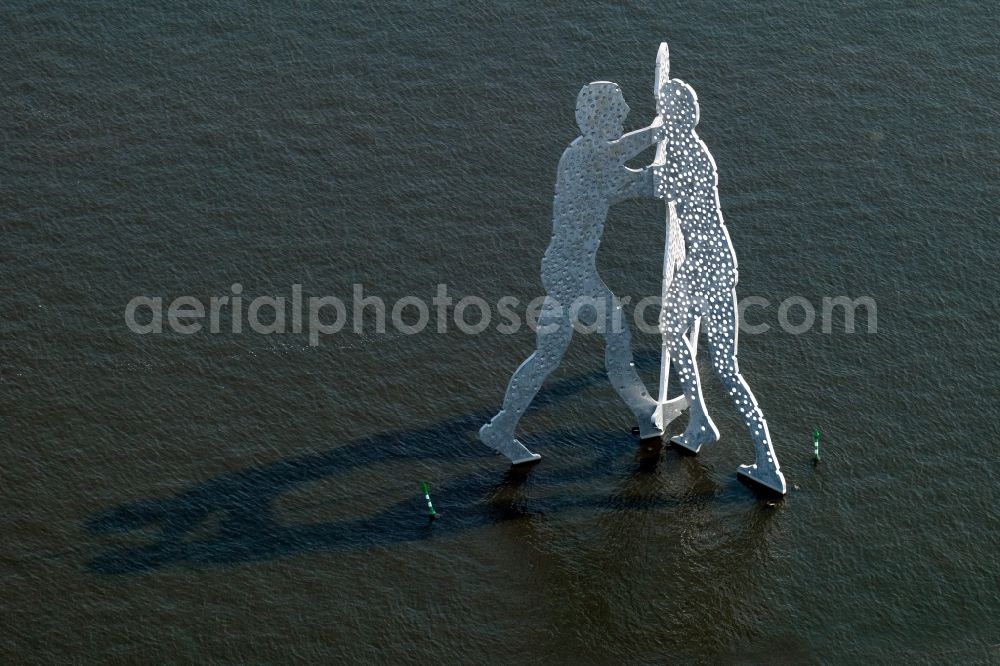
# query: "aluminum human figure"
[[704, 284], [591, 177]]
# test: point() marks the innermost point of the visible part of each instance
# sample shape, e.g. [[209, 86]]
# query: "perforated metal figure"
[[592, 176], [704, 284]]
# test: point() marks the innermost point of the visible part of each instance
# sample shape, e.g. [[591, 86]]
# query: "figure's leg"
[[620, 365], [676, 318], [722, 343], [552, 338]]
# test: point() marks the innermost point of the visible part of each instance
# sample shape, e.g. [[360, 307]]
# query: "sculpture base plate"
[[773, 483], [534, 457]]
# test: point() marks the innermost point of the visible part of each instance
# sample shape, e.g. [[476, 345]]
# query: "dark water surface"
[[249, 498]]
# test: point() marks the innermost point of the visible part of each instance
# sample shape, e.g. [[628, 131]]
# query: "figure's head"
[[678, 104], [601, 110]]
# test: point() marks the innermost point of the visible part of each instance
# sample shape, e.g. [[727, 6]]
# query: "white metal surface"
[[703, 285]]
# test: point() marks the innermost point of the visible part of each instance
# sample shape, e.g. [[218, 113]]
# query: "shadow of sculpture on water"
[[230, 519]]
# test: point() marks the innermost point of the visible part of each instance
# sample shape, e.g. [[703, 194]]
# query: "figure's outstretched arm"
[[636, 184], [635, 142]]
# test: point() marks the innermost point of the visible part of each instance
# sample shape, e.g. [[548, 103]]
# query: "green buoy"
[[815, 446], [431, 513]]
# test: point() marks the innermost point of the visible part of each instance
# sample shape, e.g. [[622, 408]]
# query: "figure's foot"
[[506, 445], [699, 431], [647, 418], [767, 475]]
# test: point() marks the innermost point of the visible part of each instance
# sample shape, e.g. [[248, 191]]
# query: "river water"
[[255, 498]]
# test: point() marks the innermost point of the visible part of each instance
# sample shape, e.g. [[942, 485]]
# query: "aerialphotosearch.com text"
[[319, 316]]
